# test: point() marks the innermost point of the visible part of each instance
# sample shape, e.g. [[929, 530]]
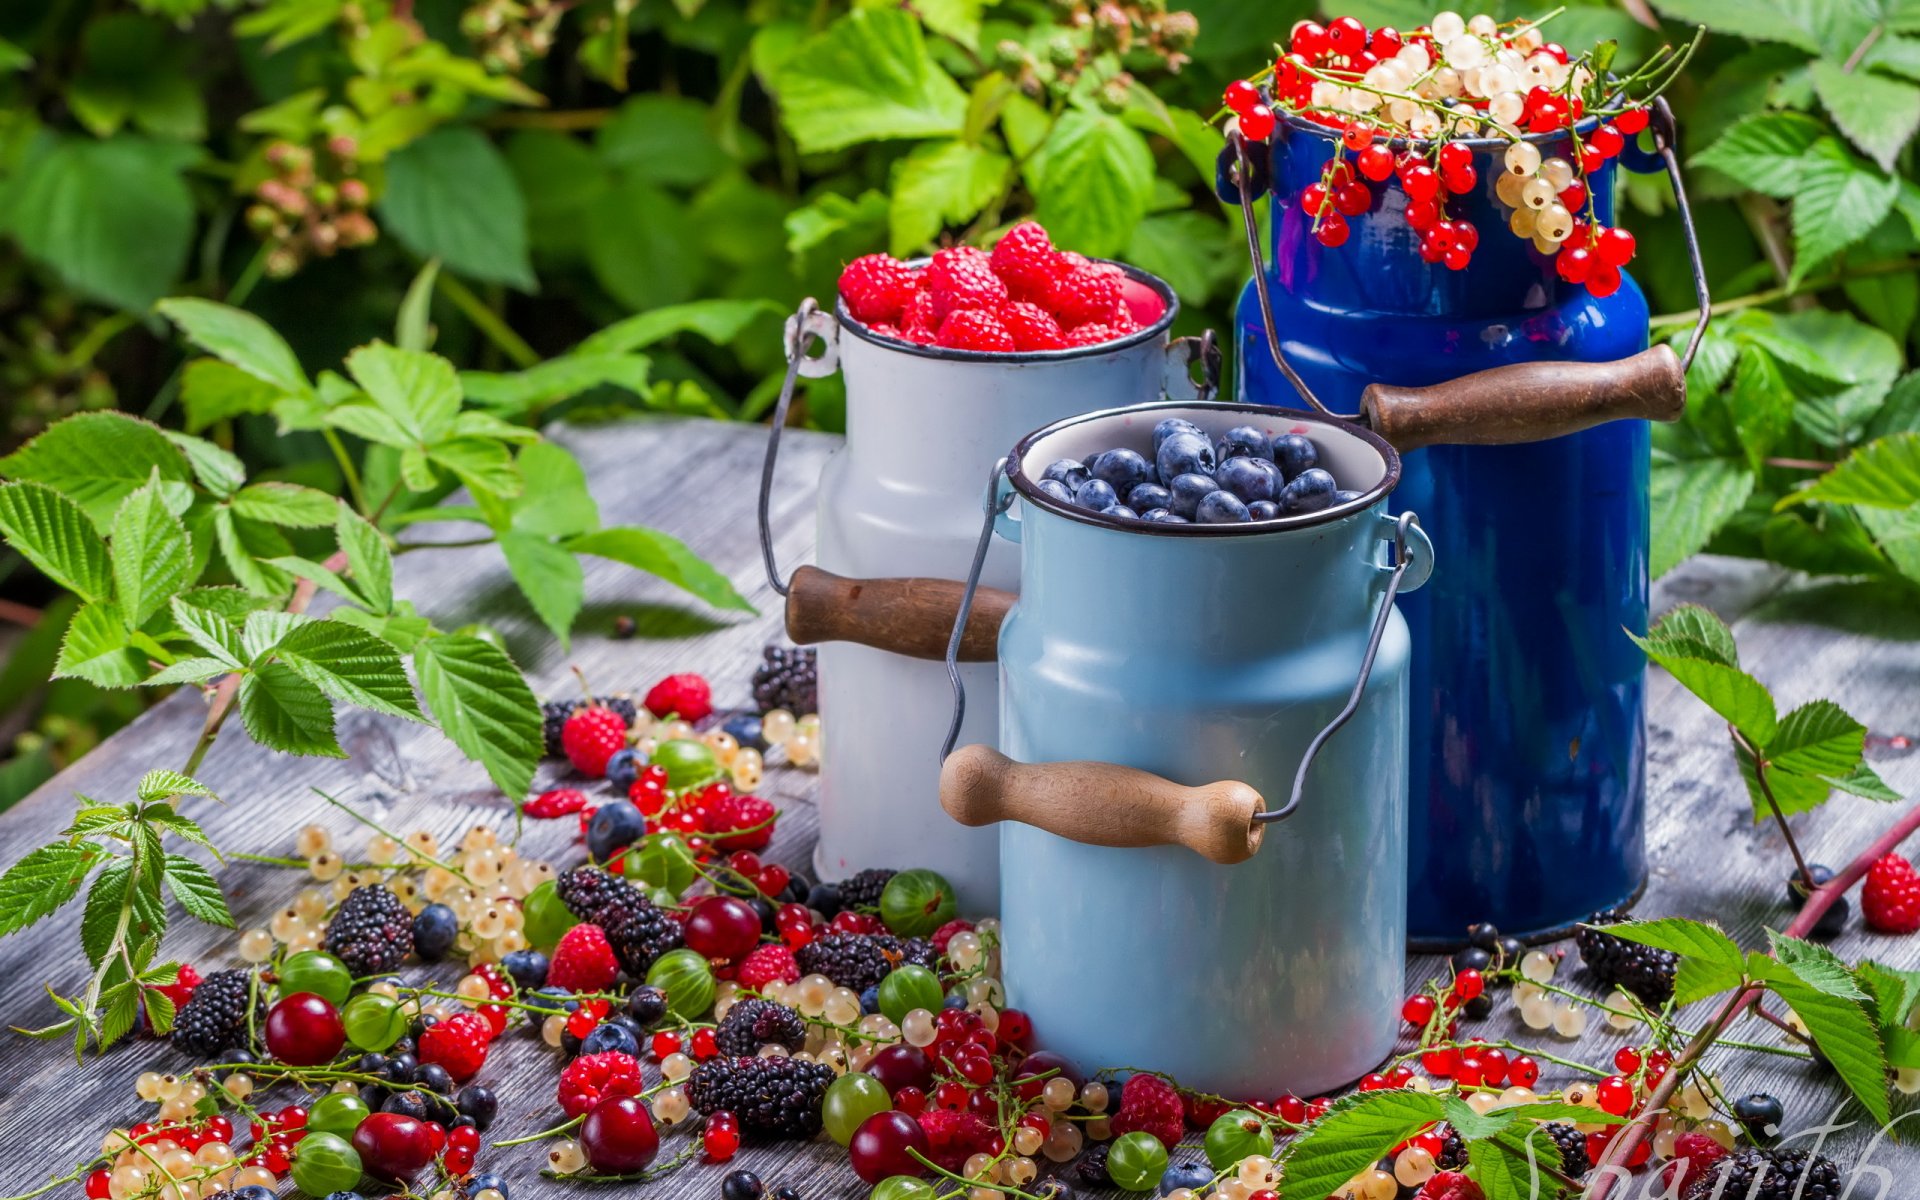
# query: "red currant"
[[1494, 1067], [1346, 36], [1338, 174], [1357, 135], [985, 1105], [1318, 1109], [1375, 162], [706, 1044], [1471, 1072], [1626, 1059], [1420, 182], [1455, 156], [1315, 199], [1615, 247], [1418, 1010], [1574, 196], [1461, 180], [1468, 984], [1241, 96], [1375, 1082], [495, 1015], [1352, 199], [950, 1095], [1256, 124], [1465, 236], [912, 1100], [1309, 40], [1400, 1076], [1558, 51], [1441, 1062], [1574, 263], [721, 1139], [1332, 232], [1292, 1109], [1591, 160], [1015, 1028], [1631, 121], [1386, 42], [1608, 140], [100, 1184], [665, 1042], [772, 879], [463, 1137], [1423, 215], [458, 1162], [1615, 1095], [1523, 1072]]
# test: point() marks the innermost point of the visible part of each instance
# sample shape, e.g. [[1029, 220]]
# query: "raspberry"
[[583, 961], [973, 329], [458, 1043], [591, 736], [876, 288], [1122, 322], [1693, 1155], [1026, 260], [560, 802], [592, 1078], [686, 696], [1085, 294], [1032, 327], [962, 278], [1090, 335], [766, 964], [733, 812], [1890, 899], [919, 318], [1450, 1185], [945, 934], [181, 989], [954, 1136], [1148, 1102]]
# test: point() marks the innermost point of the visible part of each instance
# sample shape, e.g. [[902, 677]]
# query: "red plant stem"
[[1621, 1149]]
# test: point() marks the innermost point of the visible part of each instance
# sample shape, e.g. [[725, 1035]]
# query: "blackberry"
[[586, 891], [554, 714], [779, 1097], [1646, 972], [1779, 1172], [1573, 1148], [788, 677], [214, 1018], [862, 960], [639, 934], [862, 890], [751, 1024], [371, 931], [1453, 1151], [1090, 1168]]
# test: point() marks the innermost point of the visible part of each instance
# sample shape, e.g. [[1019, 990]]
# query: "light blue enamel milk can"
[[1201, 780]]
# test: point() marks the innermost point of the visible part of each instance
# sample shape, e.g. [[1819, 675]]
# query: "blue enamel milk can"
[[1169, 694], [1528, 698]]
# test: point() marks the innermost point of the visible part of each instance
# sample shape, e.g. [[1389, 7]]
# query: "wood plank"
[[695, 479]]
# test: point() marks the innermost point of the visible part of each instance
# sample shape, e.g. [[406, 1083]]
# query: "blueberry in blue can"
[[1054, 488], [1250, 478], [1310, 491], [1262, 510], [1294, 454], [1120, 510], [1187, 492], [1345, 496], [607, 1037], [1244, 441], [1096, 494], [1184, 454], [1155, 514], [1067, 472], [1166, 517], [1220, 508], [1172, 425], [1123, 469], [1148, 496]]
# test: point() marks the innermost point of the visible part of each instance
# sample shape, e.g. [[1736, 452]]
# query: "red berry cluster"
[[1024, 296]]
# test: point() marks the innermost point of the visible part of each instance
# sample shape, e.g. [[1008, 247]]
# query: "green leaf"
[[165, 785], [188, 670], [1799, 23], [484, 706], [1761, 402], [941, 183], [557, 502], [121, 1010], [286, 504], [1794, 793], [867, 77], [1847, 1034], [1839, 201], [663, 555], [306, 568], [1863, 781], [1765, 151], [113, 219], [664, 139], [54, 534], [413, 326], [113, 889], [956, 19], [1880, 474], [245, 546], [1877, 114], [282, 711], [43, 880], [97, 459], [240, 339], [1694, 939], [350, 664], [1353, 1135], [483, 465], [1816, 966], [1693, 631], [451, 196], [194, 887], [1091, 180], [98, 649], [219, 471], [264, 630], [1737, 696], [549, 577], [211, 628], [419, 391], [151, 555], [718, 321], [1819, 739], [160, 1013], [368, 559], [555, 380], [643, 246]]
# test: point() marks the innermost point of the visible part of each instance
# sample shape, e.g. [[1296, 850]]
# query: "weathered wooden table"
[[695, 479]]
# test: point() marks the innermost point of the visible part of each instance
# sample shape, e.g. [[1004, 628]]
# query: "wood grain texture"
[[1709, 859], [907, 615]]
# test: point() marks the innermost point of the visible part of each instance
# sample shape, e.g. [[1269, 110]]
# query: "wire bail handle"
[[806, 328], [998, 501]]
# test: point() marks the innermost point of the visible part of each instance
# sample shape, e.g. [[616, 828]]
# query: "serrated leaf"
[[42, 881], [549, 577], [1862, 780], [1794, 793], [1692, 631], [163, 816], [350, 664], [451, 195], [557, 501], [1716, 961], [482, 464], [54, 534], [1816, 966], [1818, 738], [282, 711], [665, 556], [1839, 201], [941, 183], [160, 1012], [484, 706], [867, 77], [1091, 181], [98, 649], [368, 559], [1765, 151], [120, 1012], [165, 785], [219, 471], [211, 629], [194, 887], [1354, 1134], [116, 896], [245, 551], [1501, 1175], [1877, 114], [151, 555], [238, 338], [419, 391], [1881, 474], [1846, 1032], [1691, 500], [263, 631], [213, 391], [286, 504], [1738, 697], [97, 459], [197, 669]]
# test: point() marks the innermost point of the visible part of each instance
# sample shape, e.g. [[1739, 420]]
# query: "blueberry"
[[627, 1022], [1055, 489], [741, 1185], [1096, 494], [245, 1194], [1120, 510], [1250, 478], [1762, 1115], [1796, 890], [1144, 497], [1262, 510], [623, 768], [1221, 508], [255, 1191], [1245, 440], [1346, 496], [824, 898], [480, 1183], [954, 1000], [615, 826], [1123, 469], [1155, 514], [647, 1004], [1183, 454], [1171, 426], [1473, 958], [1294, 454], [1310, 491], [407, 1104], [1832, 922], [870, 999], [528, 968], [1187, 492], [1068, 473], [551, 1000], [434, 1076], [1191, 1175], [608, 1036], [745, 728], [1168, 518], [476, 1100], [767, 912], [1483, 934], [433, 932]]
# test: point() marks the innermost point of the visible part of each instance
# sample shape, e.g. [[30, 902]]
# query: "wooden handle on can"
[[907, 616], [1528, 402], [1100, 804]]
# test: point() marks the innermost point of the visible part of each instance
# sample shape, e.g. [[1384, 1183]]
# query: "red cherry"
[[1310, 41], [1357, 135], [1241, 96], [721, 1138], [393, 1146], [304, 1031], [1631, 121], [618, 1136], [1615, 247], [881, 1146], [1332, 232], [1346, 35], [1418, 1010], [723, 927], [1256, 124], [1626, 1060], [1375, 162], [1523, 1072], [1386, 42], [1615, 1095], [1353, 199]]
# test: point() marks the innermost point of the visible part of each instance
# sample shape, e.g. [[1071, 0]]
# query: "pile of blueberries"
[[1247, 476]]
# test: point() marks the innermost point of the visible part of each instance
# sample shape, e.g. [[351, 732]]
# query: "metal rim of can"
[[1161, 288], [1030, 492], [1584, 126]]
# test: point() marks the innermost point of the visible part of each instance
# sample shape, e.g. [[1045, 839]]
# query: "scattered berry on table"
[[1890, 897], [591, 1078], [371, 932], [592, 735], [1781, 1174], [788, 677], [861, 960], [215, 1018], [767, 964], [740, 822], [589, 891], [1149, 1103], [434, 929], [583, 961], [554, 714], [640, 934], [1646, 972], [459, 1044], [752, 1023], [687, 696], [861, 891], [778, 1097], [558, 802]]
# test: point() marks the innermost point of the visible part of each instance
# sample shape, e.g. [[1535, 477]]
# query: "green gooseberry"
[[1137, 1161], [546, 917], [688, 763], [325, 1163], [318, 972], [373, 1021], [1233, 1136], [915, 903], [900, 1187], [687, 980], [851, 1099], [661, 860], [906, 988], [337, 1112]]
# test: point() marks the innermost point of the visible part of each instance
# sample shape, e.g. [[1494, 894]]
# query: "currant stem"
[[556, 1131], [370, 823]]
